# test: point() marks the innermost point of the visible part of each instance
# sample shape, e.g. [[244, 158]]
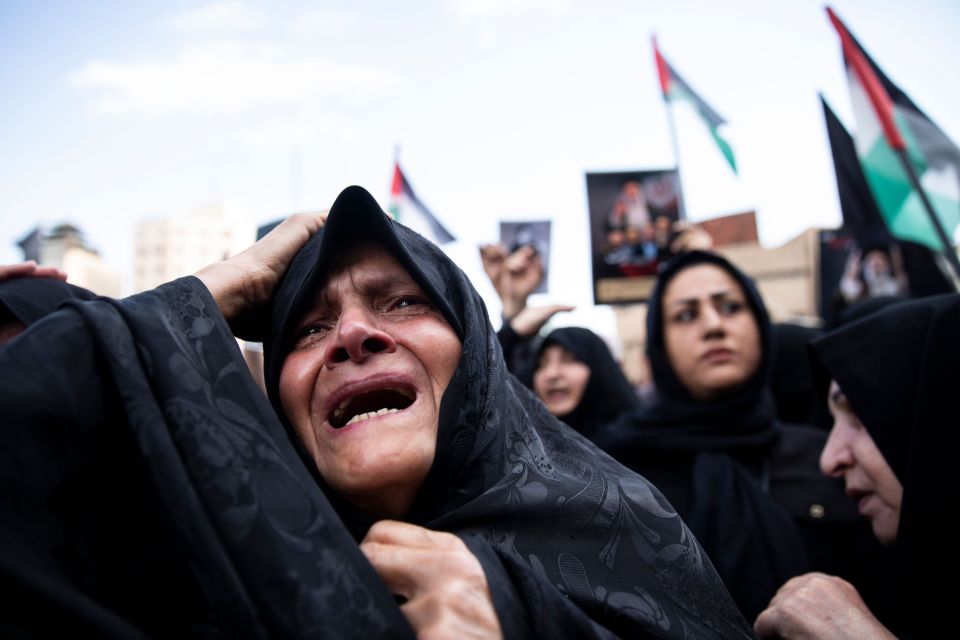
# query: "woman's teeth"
[[370, 414]]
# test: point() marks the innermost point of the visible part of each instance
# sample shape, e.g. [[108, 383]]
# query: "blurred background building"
[[65, 247], [171, 247]]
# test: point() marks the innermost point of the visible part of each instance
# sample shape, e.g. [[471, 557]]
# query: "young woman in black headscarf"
[[748, 486], [893, 381], [575, 376], [571, 370], [250, 526]]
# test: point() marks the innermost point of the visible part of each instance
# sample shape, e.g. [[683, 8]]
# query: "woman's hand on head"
[[818, 606], [29, 269], [243, 285], [446, 590]]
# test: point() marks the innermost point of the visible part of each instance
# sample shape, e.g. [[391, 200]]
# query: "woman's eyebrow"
[[726, 293], [719, 295]]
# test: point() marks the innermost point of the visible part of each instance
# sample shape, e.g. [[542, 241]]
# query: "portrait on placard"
[[632, 217], [515, 235]]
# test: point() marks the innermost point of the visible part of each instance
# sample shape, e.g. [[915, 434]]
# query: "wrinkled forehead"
[[366, 269], [362, 264]]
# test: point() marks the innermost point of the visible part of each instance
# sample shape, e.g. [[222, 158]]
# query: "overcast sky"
[[117, 111]]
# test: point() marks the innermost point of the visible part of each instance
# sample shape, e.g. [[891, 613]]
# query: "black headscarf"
[[607, 394], [899, 371], [744, 417], [719, 448], [865, 307], [584, 546], [792, 381], [29, 299]]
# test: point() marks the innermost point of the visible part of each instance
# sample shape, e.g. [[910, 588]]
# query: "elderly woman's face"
[[852, 454], [363, 382], [710, 334]]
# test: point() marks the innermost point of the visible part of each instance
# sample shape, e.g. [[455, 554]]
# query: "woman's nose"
[[552, 370], [357, 337], [836, 456], [711, 320]]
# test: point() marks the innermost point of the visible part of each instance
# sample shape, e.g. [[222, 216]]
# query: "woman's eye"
[[686, 315], [310, 334], [730, 307], [407, 304]]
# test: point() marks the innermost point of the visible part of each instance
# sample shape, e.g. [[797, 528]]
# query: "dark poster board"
[[529, 233], [835, 247], [925, 275], [631, 218]]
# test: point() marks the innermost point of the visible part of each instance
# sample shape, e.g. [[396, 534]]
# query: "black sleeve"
[[519, 352], [147, 488]]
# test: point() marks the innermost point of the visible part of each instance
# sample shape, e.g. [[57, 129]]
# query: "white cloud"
[[220, 17], [221, 78], [292, 132], [489, 10], [322, 23]]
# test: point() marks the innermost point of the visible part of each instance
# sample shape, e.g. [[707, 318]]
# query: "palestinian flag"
[[407, 209], [887, 121], [675, 88], [862, 219]]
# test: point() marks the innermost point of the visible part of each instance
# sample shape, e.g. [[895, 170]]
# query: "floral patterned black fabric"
[[573, 543], [147, 488], [29, 299]]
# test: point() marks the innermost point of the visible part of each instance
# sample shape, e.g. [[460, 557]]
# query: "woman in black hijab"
[[576, 377], [540, 507], [894, 442], [748, 486], [571, 370], [227, 522]]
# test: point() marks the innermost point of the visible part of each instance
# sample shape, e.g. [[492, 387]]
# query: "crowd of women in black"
[[398, 480]]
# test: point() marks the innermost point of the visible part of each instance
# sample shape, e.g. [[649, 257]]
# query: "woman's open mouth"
[[557, 394], [366, 404]]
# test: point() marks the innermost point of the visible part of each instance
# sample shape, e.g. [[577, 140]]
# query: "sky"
[[113, 112]]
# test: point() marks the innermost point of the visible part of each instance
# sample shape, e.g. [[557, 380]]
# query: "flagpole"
[[681, 204], [949, 252]]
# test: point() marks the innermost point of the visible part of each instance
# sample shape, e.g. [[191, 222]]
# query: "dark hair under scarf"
[[607, 394], [29, 299], [899, 370], [720, 479], [559, 516]]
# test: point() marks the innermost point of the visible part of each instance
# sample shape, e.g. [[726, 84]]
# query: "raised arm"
[[243, 285]]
